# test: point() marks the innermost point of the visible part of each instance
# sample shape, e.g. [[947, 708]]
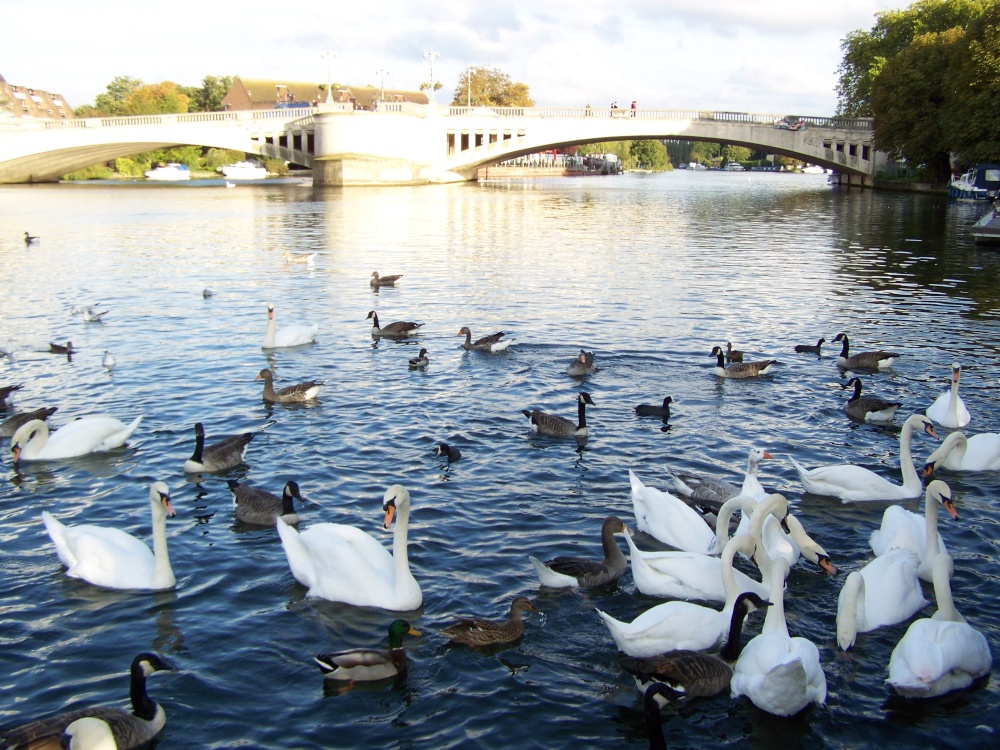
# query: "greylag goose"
[[420, 360], [307, 259], [385, 280], [582, 365], [60, 349], [6, 390], [452, 454], [863, 360], [491, 343], [30, 239], [477, 632], [368, 664], [224, 455], [869, 408], [739, 369], [652, 410], [261, 508], [398, 329], [293, 394], [809, 349], [13, 424], [556, 426], [733, 355], [130, 730], [577, 572]]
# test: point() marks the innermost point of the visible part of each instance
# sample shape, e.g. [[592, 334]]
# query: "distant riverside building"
[[254, 93], [23, 101]]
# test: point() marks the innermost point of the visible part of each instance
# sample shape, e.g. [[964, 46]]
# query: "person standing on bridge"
[[633, 108]]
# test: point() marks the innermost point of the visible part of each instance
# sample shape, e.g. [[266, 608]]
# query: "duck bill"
[[413, 631]]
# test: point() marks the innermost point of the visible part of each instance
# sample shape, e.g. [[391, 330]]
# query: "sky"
[[779, 56]]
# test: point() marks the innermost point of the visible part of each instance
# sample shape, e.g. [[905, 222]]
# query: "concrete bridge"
[[407, 144]]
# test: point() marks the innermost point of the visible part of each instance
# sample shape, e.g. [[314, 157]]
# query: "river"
[[649, 271]]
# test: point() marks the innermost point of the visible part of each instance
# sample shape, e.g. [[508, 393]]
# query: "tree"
[[973, 117], [112, 102], [213, 90], [735, 153], [490, 87], [649, 155], [155, 98]]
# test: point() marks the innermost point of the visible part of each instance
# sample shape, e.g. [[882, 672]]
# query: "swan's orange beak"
[[950, 507], [390, 511], [165, 502], [825, 564], [929, 429], [16, 450], [767, 455], [928, 470]]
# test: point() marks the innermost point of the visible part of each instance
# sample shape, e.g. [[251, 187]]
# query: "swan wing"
[[669, 519], [86, 435], [848, 482], [102, 556], [670, 626], [892, 589], [295, 335], [937, 656], [982, 453]]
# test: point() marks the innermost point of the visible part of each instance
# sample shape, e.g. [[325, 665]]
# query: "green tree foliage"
[[735, 153], [649, 155], [220, 157], [112, 101], [208, 98], [973, 115], [490, 87], [155, 99]]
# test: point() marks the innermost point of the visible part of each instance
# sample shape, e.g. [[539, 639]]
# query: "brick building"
[[255, 93], [22, 101]]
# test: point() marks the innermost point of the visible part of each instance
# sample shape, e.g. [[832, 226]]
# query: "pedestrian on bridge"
[[633, 108]]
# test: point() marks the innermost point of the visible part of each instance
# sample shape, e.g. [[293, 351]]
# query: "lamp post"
[[430, 55], [469, 86], [329, 61], [381, 73]]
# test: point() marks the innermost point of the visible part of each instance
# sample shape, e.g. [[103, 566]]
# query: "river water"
[[648, 271]]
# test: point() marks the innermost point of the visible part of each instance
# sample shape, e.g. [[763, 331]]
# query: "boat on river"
[[981, 183], [987, 229], [243, 170], [169, 172]]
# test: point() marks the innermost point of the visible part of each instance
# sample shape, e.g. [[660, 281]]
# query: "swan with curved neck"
[[948, 410], [33, 442], [344, 564], [292, 335], [960, 453], [113, 559], [856, 484], [903, 529]]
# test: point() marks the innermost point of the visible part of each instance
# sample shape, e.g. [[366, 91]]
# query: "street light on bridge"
[[430, 55], [381, 73], [329, 61]]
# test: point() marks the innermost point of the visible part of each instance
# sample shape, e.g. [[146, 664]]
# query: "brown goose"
[[740, 369], [367, 664], [60, 349], [869, 408], [475, 632], [261, 508], [293, 394], [6, 390], [863, 360], [130, 730], [224, 455], [491, 343], [550, 424], [577, 572], [13, 424], [399, 328], [385, 280], [733, 355], [582, 365], [809, 349]]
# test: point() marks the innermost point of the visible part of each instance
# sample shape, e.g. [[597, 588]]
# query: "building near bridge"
[[257, 93], [24, 101]]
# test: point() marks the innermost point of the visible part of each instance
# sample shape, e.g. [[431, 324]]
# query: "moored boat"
[[169, 172], [243, 170], [987, 229], [981, 183]]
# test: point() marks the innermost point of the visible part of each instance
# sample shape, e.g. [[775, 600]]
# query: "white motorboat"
[[244, 170], [169, 172]]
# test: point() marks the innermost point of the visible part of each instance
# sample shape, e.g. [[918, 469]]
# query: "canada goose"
[[261, 508], [948, 409], [286, 336], [652, 410], [740, 369], [869, 408], [864, 360], [109, 361], [733, 355], [582, 365], [30, 239], [13, 424], [224, 455], [491, 343], [60, 349], [420, 360], [809, 349], [476, 632], [368, 664], [6, 390], [398, 329], [385, 280], [293, 394], [566, 572], [550, 424], [130, 730], [452, 454], [656, 694]]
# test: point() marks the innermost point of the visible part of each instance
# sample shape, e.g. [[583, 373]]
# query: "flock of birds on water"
[[677, 651]]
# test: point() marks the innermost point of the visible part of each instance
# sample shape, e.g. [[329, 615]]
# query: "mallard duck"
[[550, 424], [224, 455], [491, 343], [13, 424], [809, 349], [293, 394], [566, 572], [32, 441], [6, 390], [740, 369], [420, 360], [60, 349], [948, 410], [30, 239], [449, 452], [864, 360], [287, 336], [652, 410], [582, 365], [130, 730], [733, 355], [475, 632], [261, 508], [368, 664], [869, 408], [385, 280], [398, 329]]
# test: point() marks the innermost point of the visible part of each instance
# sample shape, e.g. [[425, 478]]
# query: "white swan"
[[293, 335], [884, 592], [904, 529], [780, 674], [689, 575], [960, 453], [32, 441], [112, 558], [941, 653], [948, 410], [344, 564], [682, 625], [854, 483]]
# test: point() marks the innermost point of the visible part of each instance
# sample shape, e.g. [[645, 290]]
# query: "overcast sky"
[[778, 56]]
